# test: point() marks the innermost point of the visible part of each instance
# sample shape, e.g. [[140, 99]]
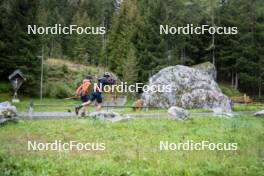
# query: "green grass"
[[5, 87], [44, 105], [132, 147], [5, 97], [54, 105], [248, 107], [199, 110], [229, 90], [61, 105]]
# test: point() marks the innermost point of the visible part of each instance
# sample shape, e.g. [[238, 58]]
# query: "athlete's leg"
[[99, 101], [98, 106], [84, 104]]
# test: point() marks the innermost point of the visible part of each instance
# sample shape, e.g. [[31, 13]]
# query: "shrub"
[[65, 68], [58, 90], [5, 87]]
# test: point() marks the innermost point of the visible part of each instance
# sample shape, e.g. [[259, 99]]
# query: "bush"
[[5, 87], [65, 68], [58, 90]]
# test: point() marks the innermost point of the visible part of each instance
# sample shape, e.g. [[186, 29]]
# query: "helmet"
[[89, 77], [107, 74]]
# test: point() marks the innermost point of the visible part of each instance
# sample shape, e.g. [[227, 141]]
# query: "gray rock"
[[220, 113], [190, 88], [178, 113], [208, 68], [7, 112], [107, 115], [259, 114]]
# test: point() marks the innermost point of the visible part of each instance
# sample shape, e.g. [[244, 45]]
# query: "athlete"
[[83, 91], [97, 93]]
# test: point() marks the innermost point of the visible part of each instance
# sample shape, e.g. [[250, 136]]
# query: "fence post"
[[31, 108], [107, 106]]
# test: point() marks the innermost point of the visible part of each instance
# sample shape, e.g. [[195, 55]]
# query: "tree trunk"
[[52, 48], [183, 54], [236, 81], [232, 78], [213, 36], [259, 87]]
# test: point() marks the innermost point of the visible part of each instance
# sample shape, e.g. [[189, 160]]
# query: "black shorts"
[[84, 98], [97, 96]]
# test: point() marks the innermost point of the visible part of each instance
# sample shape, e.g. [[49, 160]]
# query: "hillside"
[[62, 77], [228, 90]]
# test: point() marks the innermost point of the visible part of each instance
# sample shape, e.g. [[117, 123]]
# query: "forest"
[[132, 46], [204, 91]]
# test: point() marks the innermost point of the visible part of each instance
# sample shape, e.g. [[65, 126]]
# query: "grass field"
[[132, 147]]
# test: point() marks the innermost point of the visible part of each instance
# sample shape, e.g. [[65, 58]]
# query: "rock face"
[[259, 114], [7, 112], [208, 68], [178, 113], [109, 116], [190, 88]]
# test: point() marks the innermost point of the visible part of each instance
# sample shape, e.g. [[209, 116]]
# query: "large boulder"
[[7, 112], [207, 67], [191, 87], [178, 113], [259, 114]]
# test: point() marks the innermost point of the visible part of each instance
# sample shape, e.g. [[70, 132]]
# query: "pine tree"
[[121, 34], [151, 48], [3, 23], [84, 48], [21, 48], [259, 45], [130, 72]]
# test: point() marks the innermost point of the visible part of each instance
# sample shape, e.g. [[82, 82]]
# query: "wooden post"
[[41, 76], [31, 108]]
